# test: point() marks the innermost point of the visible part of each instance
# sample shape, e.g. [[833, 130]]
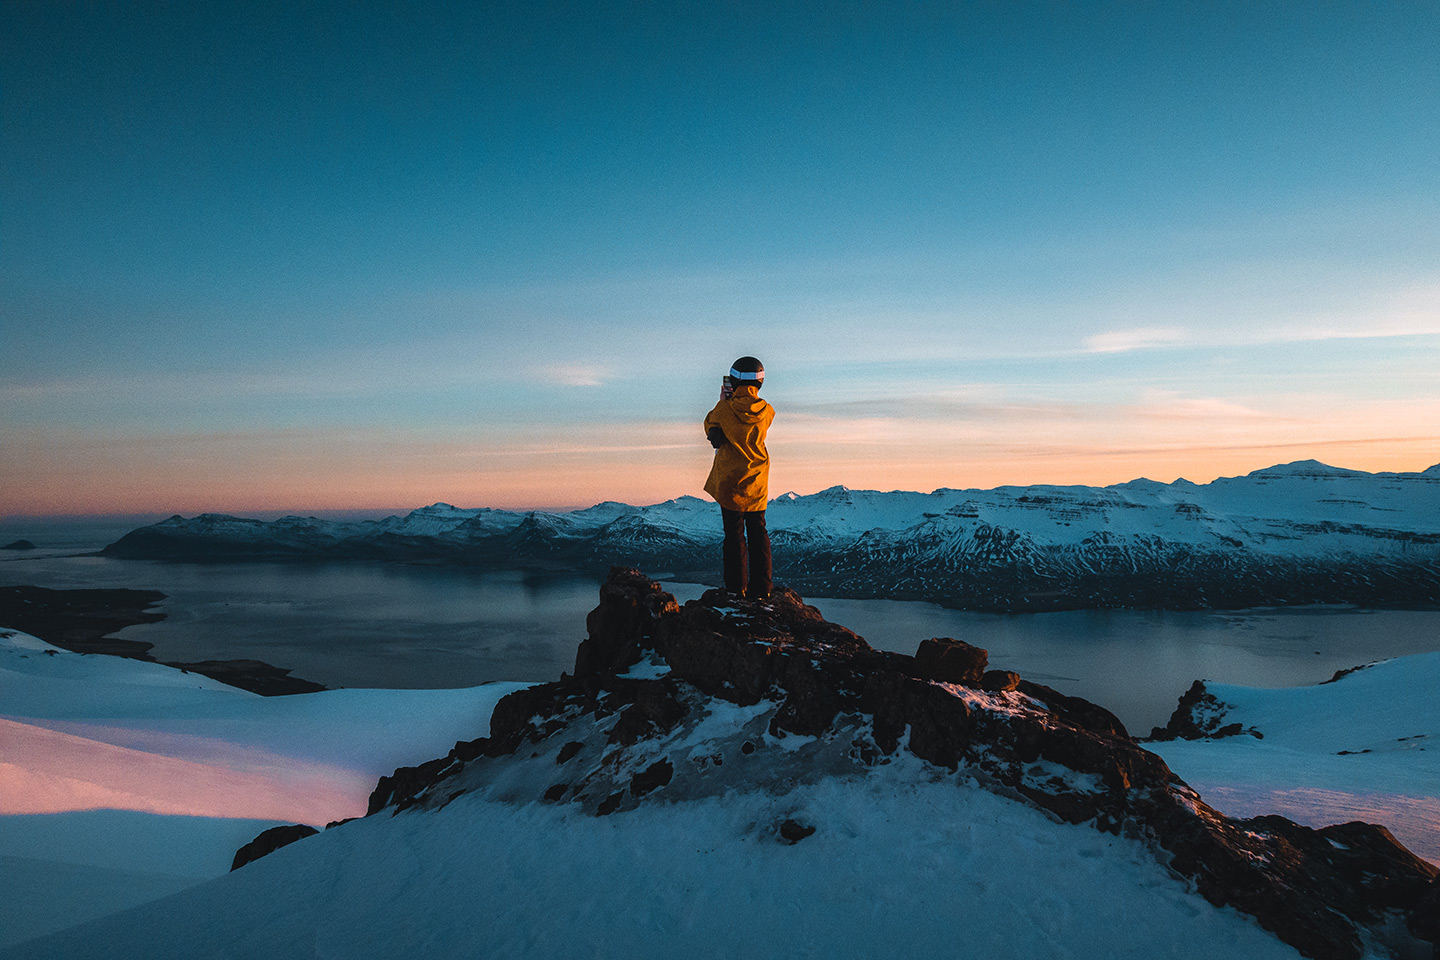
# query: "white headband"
[[748, 375]]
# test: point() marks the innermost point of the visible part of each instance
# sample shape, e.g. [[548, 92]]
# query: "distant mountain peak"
[[1306, 468], [1142, 483]]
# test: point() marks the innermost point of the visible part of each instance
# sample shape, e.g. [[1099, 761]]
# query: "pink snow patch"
[[46, 771]]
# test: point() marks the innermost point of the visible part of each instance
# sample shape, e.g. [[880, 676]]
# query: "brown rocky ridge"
[[806, 699]]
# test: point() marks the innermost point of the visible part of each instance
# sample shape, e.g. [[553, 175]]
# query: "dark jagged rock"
[[1200, 715], [269, 841], [630, 603], [1424, 920], [407, 782], [1346, 671], [652, 777], [655, 710], [1000, 681], [19, 545], [806, 699], [82, 621], [950, 661], [793, 831], [1075, 710]]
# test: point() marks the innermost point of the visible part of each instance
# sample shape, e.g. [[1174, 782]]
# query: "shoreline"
[[82, 620]]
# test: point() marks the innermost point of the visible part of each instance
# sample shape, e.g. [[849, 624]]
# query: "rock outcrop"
[[670, 703], [1200, 715], [268, 841]]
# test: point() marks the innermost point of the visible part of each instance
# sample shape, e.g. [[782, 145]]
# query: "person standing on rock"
[[740, 477]]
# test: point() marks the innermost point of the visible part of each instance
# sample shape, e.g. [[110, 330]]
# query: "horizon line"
[[377, 512]]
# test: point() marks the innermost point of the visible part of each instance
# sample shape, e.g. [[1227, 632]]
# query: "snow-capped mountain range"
[[1303, 532]]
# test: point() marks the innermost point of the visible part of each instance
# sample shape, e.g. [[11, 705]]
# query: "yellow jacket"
[[740, 476]]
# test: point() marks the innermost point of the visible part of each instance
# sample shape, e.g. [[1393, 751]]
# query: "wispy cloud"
[[1140, 338], [1172, 405]]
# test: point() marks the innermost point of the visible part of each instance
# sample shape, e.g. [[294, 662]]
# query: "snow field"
[[58, 870], [122, 781], [89, 731], [1386, 719], [903, 866]]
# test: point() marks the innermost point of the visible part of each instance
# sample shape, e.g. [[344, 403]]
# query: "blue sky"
[[259, 257]]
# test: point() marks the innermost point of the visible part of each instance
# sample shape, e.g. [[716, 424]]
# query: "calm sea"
[[389, 625]]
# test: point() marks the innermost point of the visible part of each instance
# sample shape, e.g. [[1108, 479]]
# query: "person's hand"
[[717, 437]]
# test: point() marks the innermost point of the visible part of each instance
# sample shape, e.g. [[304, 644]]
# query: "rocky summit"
[[671, 703]]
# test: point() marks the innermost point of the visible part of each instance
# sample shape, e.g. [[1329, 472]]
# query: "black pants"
[[740, 528]]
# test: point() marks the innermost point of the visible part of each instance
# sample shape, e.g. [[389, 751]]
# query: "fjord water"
[[345, 624], [393, 625]]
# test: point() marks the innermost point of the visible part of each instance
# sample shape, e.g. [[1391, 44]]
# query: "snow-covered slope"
[[1365, 746], [1299, 533], [108, 765], [913, 870], [82, 732]]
